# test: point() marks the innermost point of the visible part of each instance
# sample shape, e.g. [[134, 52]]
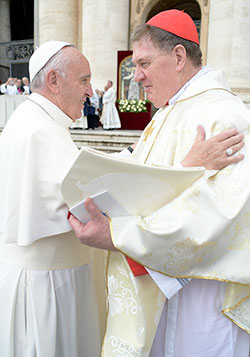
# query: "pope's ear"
[[52, 81], [181, 56]]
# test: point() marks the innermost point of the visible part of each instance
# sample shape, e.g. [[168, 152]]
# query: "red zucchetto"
[[177, 22]]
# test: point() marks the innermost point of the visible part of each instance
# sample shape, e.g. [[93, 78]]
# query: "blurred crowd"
[[100, 110], [16, 86]]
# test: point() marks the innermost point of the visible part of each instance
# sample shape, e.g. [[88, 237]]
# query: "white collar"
[[51, 110], [203, 71]]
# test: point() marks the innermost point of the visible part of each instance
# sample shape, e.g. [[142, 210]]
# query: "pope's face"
[[74, 85], [156, 70]]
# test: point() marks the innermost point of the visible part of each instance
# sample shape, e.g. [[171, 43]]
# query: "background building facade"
[[100, 28]]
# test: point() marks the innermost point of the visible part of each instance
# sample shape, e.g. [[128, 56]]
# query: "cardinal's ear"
[[180, 54]]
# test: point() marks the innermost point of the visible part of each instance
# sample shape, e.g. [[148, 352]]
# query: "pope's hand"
[[96, 233], [212, 153]]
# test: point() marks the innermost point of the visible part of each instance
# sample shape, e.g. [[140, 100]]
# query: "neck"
[[189, 72], [46, 94]]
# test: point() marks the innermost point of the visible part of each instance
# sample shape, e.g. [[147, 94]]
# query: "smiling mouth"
[[146, 88]]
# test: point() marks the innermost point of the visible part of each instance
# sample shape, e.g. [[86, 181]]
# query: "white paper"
[[141, 189], [105, 202], [169, 286]]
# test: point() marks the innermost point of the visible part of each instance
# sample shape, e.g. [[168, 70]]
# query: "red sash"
[[137, 269]]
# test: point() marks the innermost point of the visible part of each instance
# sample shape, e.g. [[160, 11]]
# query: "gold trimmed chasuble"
[[204, 233]]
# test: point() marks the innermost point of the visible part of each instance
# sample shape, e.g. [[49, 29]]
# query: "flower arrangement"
[[132, 105]]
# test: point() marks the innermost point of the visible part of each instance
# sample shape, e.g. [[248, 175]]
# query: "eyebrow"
[[141, 59], [86, 76]]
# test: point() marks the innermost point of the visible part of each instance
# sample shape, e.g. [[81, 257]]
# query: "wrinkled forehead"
[[144, 49]]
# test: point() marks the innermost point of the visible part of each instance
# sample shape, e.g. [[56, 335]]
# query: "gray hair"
[[58, 62], [166, 41]]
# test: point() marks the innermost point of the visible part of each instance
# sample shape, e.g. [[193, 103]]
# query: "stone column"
[[5, 36], [58, 20], [229, 45], [105, 27], [5, 21]]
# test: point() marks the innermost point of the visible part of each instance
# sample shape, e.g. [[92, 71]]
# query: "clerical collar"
[[51, 110], [203, 71]]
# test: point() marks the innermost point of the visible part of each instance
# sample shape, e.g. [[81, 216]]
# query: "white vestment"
[[192, 325], [203, 234], [26, 90], [47, 296], [80, 123], [94, 100], [10, 90], [174, 334], [110, 117]]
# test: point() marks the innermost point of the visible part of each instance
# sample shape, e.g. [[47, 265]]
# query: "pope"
[[47, 298]]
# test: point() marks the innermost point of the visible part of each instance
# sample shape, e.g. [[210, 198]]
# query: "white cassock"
[[10, 90], [196, 247], [26, 90], [80, 123], [47, 296], [110, 117]]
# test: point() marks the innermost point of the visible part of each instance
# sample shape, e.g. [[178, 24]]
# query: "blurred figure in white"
[[26, 85], [110, 117], [9, 87]]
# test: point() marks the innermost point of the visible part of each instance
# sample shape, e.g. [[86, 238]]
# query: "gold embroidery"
[[149, 130], [240, 239], [189, 202], [192, 258], [155, 139], [179, 101]]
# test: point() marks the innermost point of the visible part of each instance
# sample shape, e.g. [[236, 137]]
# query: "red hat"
[[177, 22]]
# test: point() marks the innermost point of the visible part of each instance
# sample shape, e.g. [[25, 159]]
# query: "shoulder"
[[217, 102], [215, 110]]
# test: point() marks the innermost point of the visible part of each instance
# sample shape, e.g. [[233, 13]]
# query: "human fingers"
[[201, 135], [84, 232], [219, 146], [229, 160], [235, 148], [97, 229], [236, 158], [233, 140], [93, 210], [76, 225], [226, 134], [220, 163]]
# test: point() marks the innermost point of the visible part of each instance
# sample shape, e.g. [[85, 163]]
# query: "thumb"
[[92, 209], [75, 223], [201, 135]]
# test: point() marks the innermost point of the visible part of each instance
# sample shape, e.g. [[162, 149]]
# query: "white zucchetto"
[[43, 54]]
